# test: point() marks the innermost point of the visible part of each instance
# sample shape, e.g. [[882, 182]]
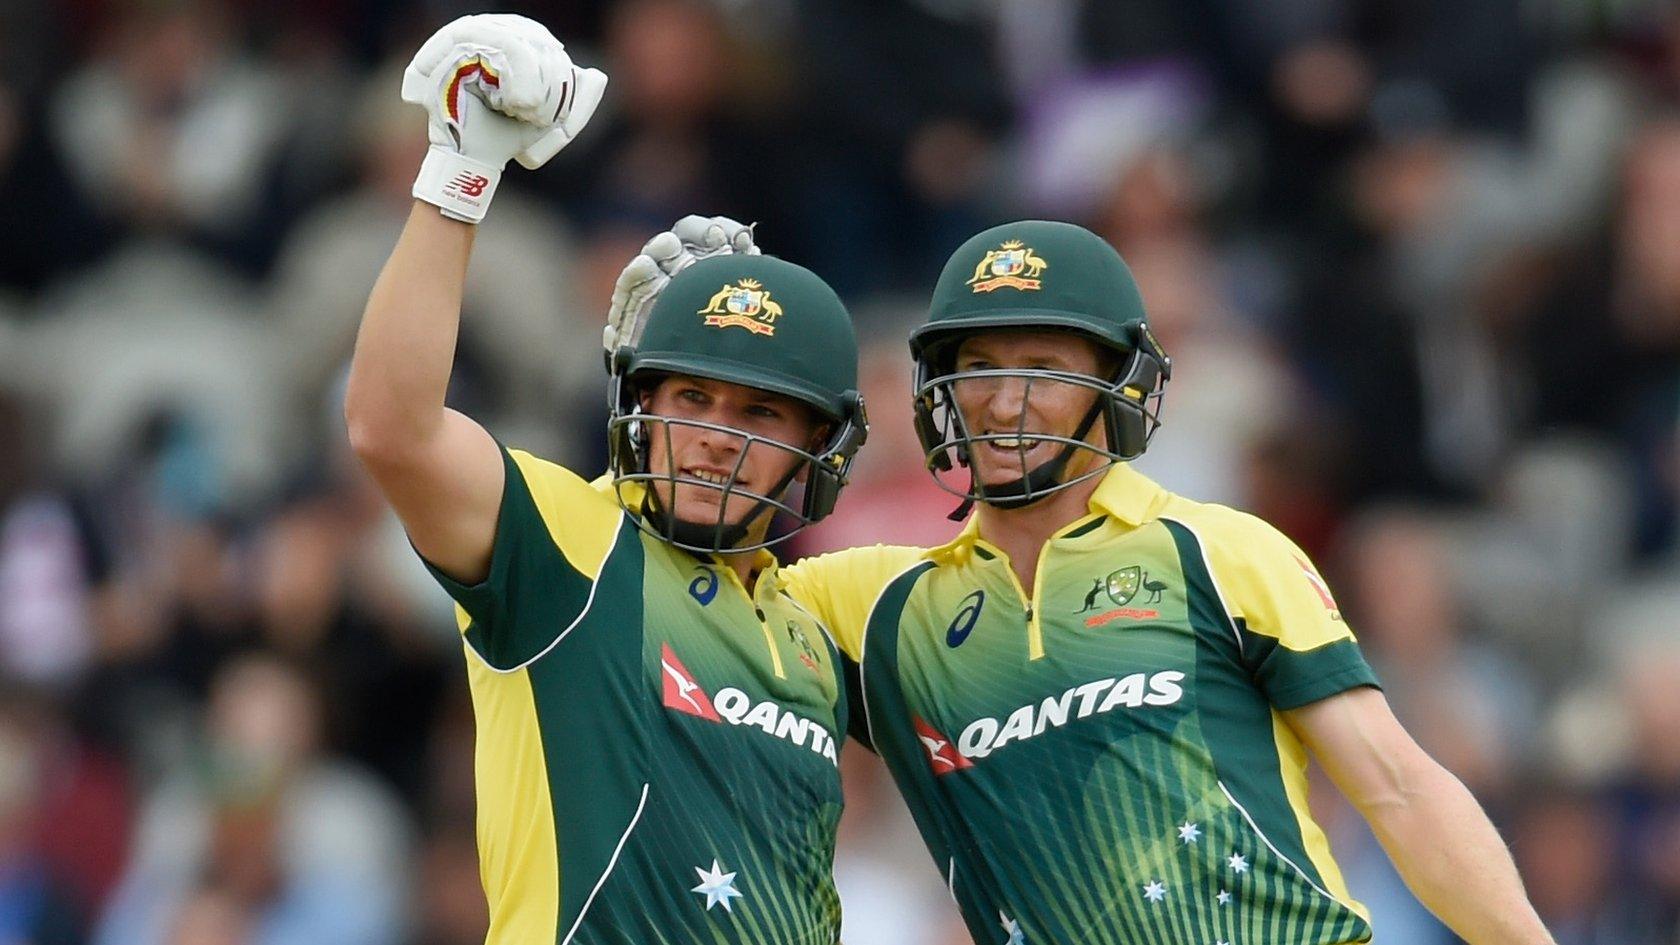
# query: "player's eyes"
[[763, 412], [693, 395]]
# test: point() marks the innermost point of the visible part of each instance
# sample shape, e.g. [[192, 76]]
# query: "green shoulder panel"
[[532, 594], [1236, 723]]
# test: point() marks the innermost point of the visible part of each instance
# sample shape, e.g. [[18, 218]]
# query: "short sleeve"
[[553, 534], [840, 588], [1295, 641]]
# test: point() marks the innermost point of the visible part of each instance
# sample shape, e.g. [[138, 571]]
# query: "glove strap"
[[457, 185]]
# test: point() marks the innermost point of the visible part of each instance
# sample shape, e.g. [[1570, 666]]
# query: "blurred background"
[[1418, 263]]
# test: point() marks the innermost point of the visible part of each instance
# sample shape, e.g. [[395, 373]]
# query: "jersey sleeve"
[[1294, 640], [840, 588], [553, 534]]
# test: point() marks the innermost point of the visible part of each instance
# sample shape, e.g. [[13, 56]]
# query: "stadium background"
[[1418, 264]]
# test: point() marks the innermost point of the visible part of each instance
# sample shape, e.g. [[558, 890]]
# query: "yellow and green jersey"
[[656, 752], [1104, 762]]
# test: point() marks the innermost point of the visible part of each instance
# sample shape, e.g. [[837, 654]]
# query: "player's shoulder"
[[860, 571], [1246, 555], [581, 516], [1232, 531]]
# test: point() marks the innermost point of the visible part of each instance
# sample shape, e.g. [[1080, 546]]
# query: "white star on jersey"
[[717, 886], [1221, 942], [1224, 898], [1013, 928], [1189, 832], [1155, 891], [1238, 862]]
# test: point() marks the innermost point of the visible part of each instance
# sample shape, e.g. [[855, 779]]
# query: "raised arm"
[[496, 87]]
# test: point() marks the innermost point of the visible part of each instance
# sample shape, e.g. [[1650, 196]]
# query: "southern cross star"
[[1155, 892], [1013, 928], [1224, 898], [717, 886], [1189, 832], [1238, 862]]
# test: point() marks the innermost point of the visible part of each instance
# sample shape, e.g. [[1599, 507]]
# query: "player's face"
[[1015, 408], [711, 455]]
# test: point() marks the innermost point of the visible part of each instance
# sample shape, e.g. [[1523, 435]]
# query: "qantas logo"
[[1322, 588], [986, 735], [943, 757], [733, 707], [681, 691]]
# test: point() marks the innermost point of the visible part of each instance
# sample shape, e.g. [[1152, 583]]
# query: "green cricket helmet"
[[760, 322], [1037, 275]]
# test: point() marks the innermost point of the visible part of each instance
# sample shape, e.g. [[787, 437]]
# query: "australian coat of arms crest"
[[1013, 265], [746, 304]]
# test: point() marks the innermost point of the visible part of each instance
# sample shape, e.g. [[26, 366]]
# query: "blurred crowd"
[[1417, 261]]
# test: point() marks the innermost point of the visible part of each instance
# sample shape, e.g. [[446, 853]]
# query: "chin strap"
[[1035, 484]]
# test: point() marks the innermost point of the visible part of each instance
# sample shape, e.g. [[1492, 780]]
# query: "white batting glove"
[[496, 87], [692, 239]]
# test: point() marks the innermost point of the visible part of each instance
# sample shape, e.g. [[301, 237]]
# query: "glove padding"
[[495, 87], [692, 239]]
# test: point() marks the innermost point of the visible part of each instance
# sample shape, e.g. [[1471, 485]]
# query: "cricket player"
[[657, 720], [1099, 698]]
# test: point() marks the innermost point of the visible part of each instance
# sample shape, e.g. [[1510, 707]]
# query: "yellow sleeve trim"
[[1264, 579], [581, 520]]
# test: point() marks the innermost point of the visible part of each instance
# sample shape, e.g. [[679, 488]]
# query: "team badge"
[[1123, 585], [746, 304], [807, 652], [1012, 265]]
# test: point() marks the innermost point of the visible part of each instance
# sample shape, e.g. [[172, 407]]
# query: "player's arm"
[[1444, 846], [440, 470], [496, 87]]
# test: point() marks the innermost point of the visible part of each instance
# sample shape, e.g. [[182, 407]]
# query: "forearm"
[[406, 346], [1454, 861]]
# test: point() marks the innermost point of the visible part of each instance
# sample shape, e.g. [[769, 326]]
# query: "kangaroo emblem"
[[1091, 598]]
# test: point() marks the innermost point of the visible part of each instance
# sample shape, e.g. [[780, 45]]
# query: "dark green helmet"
[[760, 322], [1039, 275]]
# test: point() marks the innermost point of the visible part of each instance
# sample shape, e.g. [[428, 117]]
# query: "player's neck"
[[1022, 533], [744, 564]]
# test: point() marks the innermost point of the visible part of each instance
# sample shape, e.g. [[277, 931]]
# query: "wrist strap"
[[457, 185]]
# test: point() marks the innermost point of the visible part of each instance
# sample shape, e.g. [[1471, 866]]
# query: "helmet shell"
[[757, 321], [1033, 274]]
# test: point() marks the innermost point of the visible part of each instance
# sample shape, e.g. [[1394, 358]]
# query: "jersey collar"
[[1124, 494]]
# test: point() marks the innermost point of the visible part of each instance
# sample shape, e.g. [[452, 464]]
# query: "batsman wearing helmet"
[[657, 720], [1099, 699]]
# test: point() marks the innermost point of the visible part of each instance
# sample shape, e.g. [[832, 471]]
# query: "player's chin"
[[705, 505]]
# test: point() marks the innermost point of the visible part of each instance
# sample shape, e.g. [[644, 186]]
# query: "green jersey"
[[656, 747], [1104, 761]]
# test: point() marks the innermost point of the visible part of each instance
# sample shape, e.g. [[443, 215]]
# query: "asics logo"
[[963, 623]]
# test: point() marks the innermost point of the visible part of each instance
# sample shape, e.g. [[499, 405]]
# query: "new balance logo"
[[468, 184], [682, 693], [943, 757]]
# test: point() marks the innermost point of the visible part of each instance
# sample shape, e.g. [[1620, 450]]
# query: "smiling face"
[[1003, 413], [702, 454]]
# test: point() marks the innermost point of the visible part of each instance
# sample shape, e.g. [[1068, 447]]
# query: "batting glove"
[[692, 239], [496, 86]]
